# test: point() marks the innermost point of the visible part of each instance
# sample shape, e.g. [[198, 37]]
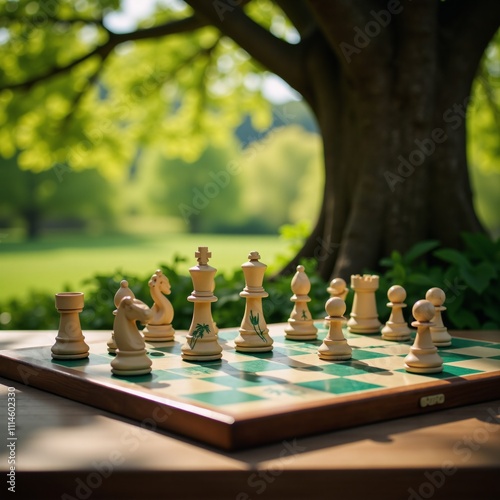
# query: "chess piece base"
[[366, 325], [253, 349], [440, 337], [83, 355], [396, 333], [189, 357], [301, 330], [335, 350], [129, 363], [416, 369], [159, 333]]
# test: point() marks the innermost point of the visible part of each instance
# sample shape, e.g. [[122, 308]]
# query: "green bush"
[[470, 279]]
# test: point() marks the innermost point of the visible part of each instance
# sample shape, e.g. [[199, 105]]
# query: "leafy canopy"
[[73, 92]]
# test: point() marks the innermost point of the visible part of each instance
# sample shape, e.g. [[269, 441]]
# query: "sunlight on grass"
[[53, 263]]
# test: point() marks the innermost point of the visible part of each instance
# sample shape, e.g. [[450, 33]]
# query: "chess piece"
[[396, 328], [123, 291], [423, 356], [254, 334], [300, 324], [160, 329], [337, 288], [70, 342], [202, 340], [335, 346], [131, 355], [439, 333], [364, 315]]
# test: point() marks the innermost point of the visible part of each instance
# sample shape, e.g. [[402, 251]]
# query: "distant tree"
[[389, 83], [57, 196]]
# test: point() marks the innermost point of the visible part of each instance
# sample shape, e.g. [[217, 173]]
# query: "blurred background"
[[150, 195]]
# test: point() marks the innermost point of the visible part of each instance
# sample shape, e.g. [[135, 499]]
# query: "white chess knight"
[[131, 355], [300, 324], [439, 333], [160, 329], [123, 291]]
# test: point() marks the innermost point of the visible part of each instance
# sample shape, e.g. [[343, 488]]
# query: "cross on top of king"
[[202, 255]]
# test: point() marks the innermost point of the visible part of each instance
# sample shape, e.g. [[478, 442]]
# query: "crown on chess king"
[[368, 282]]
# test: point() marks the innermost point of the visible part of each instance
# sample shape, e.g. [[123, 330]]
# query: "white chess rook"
[[70, 342], [364, 315], [335, 346], [423, 356], [439, 333], [202, 340], [396, 329], [253, 333], [300, 324]]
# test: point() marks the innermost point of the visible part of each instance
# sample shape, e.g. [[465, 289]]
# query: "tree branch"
[[300, 16], [273, 53], [171, 28], [341, 21]]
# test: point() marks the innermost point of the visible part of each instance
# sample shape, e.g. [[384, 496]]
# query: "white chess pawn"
[[364, 315], [70, 342], [253, 332], [202, 340], [123, 291], [423, 356], [439, 333], [335, 346], [300, 324], [160, 329], [337, 288], [396, 328]]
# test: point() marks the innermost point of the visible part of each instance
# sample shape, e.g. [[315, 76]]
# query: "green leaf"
[[452, 256], [478, 277], [479, 245], [420, 279], [465, 319], [419, 249]]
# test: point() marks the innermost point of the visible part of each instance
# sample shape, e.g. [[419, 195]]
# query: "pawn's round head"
[[335, 307], [338, 286], [423, 311], [435, 296], [396, 294]]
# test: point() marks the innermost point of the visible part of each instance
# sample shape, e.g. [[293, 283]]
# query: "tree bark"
[[394, 135]]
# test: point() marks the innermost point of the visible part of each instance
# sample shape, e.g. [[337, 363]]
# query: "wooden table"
[[68, 450]]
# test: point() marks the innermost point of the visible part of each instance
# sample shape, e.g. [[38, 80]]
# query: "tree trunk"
[[394, 145]]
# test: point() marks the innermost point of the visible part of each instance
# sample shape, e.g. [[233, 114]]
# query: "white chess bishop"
[[300, 324]]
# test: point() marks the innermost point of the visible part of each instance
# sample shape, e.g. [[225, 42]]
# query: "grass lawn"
[[53, 262]]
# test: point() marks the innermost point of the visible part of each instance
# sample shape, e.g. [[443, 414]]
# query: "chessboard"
[[250, 399]]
